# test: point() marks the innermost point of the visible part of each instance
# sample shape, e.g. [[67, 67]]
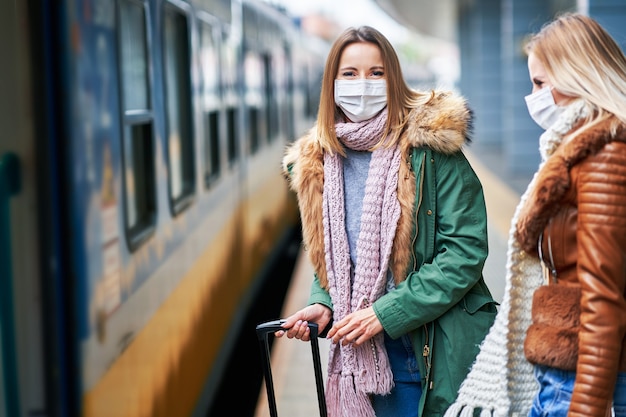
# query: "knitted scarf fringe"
[[347, 395], [468, 411], [344, 401]]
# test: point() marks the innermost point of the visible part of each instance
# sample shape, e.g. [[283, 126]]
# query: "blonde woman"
[[558, 345]]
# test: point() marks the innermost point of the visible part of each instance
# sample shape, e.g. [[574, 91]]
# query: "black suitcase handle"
[[270, 327]]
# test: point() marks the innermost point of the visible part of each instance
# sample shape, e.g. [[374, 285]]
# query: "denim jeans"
[[619, 397], [403, 401], [555, 393]]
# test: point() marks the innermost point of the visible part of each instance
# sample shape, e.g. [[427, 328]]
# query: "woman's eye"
[[347, 74], [378, 73]]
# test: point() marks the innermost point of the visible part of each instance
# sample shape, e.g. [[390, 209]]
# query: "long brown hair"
[[400, 98]]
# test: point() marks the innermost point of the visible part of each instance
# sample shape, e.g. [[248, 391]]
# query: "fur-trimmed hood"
[[443, 124]]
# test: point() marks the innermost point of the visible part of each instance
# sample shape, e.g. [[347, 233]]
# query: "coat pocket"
[[458, 334], [552, 338]]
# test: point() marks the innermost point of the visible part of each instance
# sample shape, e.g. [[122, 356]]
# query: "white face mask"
[[361, 99], [542, 107]]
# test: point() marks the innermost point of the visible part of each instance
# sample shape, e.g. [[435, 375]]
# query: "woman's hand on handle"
[[297, 325]]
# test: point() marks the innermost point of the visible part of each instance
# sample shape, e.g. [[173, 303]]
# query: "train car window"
[[139, 166], [287, 112], [211, 100], [255, 76], [231, 98], [312, 88], [253, 128], [138, 124], [271, 104], [180, 146], [232, 135], [268, 96], [134, 55]]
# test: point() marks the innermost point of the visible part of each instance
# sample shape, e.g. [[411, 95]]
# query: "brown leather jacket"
[[579, 210]]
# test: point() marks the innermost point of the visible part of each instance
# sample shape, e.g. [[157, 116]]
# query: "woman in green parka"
[[394, 224]]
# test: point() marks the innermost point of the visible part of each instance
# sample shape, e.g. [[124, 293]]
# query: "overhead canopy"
[[435, 18]]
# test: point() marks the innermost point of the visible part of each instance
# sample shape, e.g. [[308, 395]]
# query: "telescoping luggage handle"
[[270, 327]]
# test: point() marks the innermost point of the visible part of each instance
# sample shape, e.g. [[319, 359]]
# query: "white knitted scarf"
[[354, 372], [501, 381]]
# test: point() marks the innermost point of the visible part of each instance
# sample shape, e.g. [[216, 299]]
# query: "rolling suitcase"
[[263, 331]]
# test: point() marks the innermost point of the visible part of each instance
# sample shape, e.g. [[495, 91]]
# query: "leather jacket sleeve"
[[601, 271]]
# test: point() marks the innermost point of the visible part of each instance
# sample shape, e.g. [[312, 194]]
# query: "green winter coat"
[[441, 299]]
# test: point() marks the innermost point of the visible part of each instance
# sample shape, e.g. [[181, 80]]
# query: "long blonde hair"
[[400, 98], [582, 60]]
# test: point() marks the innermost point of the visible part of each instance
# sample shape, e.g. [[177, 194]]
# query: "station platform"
[[292, 365]]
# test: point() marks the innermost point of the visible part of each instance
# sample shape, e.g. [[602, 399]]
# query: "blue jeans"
[[404, 399], [619, 396], [555, 393]]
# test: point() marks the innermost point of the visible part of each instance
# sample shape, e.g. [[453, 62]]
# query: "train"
[[141, 195]]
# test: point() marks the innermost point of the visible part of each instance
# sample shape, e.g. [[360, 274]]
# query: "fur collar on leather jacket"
[[553, 180], [442, 124]]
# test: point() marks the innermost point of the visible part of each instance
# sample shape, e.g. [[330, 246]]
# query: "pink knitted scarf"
[[354, 372]]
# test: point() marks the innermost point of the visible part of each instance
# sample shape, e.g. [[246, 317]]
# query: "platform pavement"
[[292, 366]]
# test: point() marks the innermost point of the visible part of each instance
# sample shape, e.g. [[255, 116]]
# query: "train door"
[[31, 195], [16, 206], [11, 153]]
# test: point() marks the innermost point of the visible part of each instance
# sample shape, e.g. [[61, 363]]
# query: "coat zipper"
[[426, 349], [427, 358], [419, 205]]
